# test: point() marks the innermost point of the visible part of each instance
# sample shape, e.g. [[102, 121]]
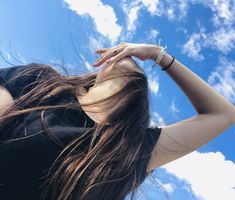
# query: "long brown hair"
[[114, 163]]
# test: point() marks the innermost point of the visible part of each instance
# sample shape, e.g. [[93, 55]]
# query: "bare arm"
[[215, 115], [205, 99]]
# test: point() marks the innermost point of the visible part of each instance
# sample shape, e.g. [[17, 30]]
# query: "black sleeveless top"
[[24, 163]]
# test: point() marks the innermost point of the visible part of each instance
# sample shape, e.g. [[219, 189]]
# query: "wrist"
[[154, 52], [166, 59]]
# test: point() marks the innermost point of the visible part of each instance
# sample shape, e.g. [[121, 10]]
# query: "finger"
[[117, 57], [106, 56], [103, 50], [100, 51]]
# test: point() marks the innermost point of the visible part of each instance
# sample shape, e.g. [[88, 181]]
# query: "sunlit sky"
[[199, 33]]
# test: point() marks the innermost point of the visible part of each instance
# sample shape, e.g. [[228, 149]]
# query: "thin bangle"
[[160, 55], [166, 67]]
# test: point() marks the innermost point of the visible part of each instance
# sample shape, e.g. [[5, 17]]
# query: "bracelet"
[[164, 68], [159, 57]]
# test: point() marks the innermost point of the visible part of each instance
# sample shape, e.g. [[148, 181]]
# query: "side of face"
[[100, 90]]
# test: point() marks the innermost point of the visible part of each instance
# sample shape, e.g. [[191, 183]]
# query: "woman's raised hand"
[[113, 54]]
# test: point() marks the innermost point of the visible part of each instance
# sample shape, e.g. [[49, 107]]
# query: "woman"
[[89, 136]]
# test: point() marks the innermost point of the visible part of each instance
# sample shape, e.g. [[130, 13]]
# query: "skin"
[[214, 113], [6, 100], [99, 113]]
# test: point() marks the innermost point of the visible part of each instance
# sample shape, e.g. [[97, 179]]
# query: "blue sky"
[[199, 33]]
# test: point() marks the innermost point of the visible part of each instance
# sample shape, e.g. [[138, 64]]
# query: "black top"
[[24, 163]]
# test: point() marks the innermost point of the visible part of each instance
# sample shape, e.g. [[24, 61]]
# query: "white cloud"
[[170, 13], [132, 17], [169, 187], [173, 9], [156, 118], [222, 39], [153, 83], [181, 29], [223, 11], [153, 6], [21, 58], [153, 34], [103, 15], [223, 79], [194, 45], [223, 19], [131, 10], [88, 66], [159, 8], [173, 108], [183, 6], [8, 56], [210, 175]]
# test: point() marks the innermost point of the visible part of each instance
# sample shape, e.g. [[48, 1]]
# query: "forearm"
[[203, 97]]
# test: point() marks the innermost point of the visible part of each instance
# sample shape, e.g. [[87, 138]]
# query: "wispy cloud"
[[131, 10], [8, 56], [153, 34], [103, 16], [21, 58], [153, 82], [223, 19], [223, 40], [153, 6], [156, 118], [168, 186], [223, 79], [86, 63], [170, 9], [210, 175], [170, 13], [222, 10], [194, 44], [174, 110]]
